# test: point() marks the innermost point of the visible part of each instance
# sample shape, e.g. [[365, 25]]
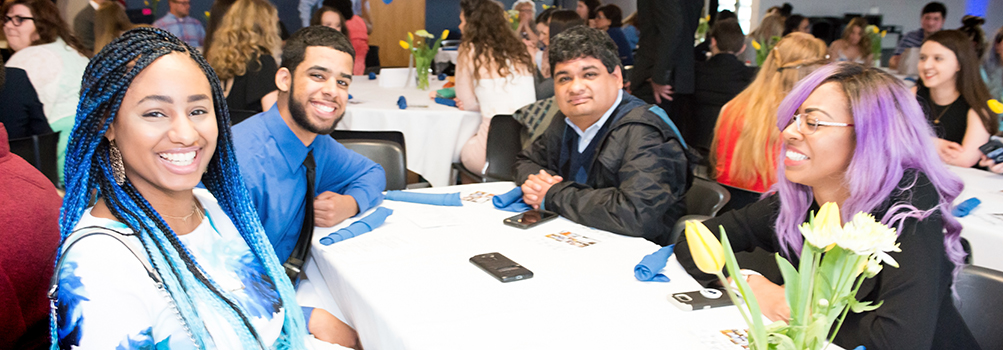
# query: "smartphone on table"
[[501, 267], [530, 218], [700, 299]]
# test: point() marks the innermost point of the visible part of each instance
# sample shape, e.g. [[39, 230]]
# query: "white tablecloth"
[[433, 135], [983, 228], [403, 286]]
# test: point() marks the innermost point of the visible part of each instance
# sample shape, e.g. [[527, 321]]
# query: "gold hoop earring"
[[117, 166]]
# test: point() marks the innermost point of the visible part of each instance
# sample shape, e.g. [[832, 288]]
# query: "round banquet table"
[[983, 227], [433, 134]]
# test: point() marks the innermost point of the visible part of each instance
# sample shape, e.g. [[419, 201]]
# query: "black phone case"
[[993, 150], [517, 221], [690, 301], [501, 267]]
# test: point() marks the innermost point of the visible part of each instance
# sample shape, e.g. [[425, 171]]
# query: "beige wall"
[[69, 9], [391, 24]]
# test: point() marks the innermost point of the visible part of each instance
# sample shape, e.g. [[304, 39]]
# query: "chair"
[[40, 151], [504, 142], [704, 199], [392, 136], [981, 304], [373, 60], [740, 197], [387, 154]]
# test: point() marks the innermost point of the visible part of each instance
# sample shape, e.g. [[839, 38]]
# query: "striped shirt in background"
[[910, 40], [187, 29]]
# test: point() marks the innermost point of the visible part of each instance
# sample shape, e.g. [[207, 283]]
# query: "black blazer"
[[665, 47], [718, 80], [20, 110]]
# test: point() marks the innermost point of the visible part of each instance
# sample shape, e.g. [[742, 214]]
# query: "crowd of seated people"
[[197, 161]]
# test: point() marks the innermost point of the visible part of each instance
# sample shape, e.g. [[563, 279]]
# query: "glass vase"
[[422, 66]]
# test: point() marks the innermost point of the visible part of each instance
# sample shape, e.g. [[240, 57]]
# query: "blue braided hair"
[[88, 168]]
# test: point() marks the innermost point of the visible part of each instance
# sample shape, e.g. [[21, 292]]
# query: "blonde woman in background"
[[746, 130], [110, 21], [243, 55], [854, 46], [770, 26]]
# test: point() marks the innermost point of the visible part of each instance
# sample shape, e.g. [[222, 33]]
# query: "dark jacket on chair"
[[719, 79], [20, 110], [635, 180]]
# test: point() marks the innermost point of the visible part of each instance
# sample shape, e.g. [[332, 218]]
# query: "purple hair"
[[892, 136]]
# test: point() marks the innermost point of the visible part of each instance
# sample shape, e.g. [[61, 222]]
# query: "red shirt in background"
[[29, 237], [726, 136], [359, 36]]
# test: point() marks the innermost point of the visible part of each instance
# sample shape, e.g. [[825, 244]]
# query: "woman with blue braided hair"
[[152, 262]]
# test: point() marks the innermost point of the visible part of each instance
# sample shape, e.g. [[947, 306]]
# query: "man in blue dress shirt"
[[273, 145]]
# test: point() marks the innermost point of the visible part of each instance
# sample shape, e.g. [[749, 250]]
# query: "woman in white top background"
[[52, 57], [494, 72]]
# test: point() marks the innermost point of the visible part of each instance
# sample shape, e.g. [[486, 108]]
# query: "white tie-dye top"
[[108, 301]]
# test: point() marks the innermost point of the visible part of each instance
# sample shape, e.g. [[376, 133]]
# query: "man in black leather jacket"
[[607, 160]]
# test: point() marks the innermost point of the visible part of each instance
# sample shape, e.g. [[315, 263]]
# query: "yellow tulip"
[[755, 45], [405, 45], [883, 32], [874, 29], [445, 34], [704, 247], [410, 36], [996, 106], [828, 216], [207, 15]]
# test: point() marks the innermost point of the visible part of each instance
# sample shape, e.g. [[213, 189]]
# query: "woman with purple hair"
[[855, 136]]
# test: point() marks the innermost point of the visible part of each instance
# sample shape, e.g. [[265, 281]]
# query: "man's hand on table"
[[330, 208], [534, 190]]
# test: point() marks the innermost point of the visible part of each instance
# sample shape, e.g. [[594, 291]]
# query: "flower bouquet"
[[764, 50], [835, 260], [875, 36], [422, 52]]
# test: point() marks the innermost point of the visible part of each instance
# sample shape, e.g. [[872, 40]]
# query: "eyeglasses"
[[811, 124], [17, 20]]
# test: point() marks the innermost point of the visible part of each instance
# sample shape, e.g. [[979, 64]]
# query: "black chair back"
[[387, 154], [706, 198], [392, 136], [504, 143], [981, 304], [40, 151]]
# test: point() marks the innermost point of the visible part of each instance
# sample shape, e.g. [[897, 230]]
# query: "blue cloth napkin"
[[446, 199], [511, 201], [402, 102], [652, 263], [445, 101], [442, 76], [372, 75], [349, 96], [357, 228], [966, 207]]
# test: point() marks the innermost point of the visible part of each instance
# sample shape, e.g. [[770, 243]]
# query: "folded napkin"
[[364, 225], [652, 263], [511, 201], [447, 199], [372, 75], [966, 207], [442, 76], [445, 101], [402, 102]]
